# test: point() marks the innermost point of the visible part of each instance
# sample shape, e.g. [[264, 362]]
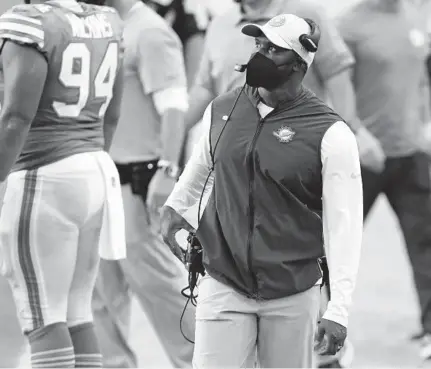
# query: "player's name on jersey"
[[93, 26]]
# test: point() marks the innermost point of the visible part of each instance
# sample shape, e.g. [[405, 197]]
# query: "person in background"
[[392, 99], [190, 20], [146, 150]]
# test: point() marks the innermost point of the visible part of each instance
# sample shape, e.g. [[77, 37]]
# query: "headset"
[[310, 41]]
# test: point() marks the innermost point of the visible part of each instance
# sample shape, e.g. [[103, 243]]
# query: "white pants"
[[49, 239], [232, 329]]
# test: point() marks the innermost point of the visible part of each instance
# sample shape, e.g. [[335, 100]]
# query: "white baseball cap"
[[284, 31]]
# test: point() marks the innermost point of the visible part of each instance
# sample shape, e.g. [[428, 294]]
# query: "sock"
[[86, 346], [51, 347]]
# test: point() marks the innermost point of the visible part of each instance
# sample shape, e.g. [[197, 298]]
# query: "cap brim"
[[254, 30]]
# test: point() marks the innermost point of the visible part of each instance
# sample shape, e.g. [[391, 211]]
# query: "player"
[[62, 62]]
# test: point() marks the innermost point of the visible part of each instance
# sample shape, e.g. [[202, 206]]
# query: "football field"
[[384, 313]]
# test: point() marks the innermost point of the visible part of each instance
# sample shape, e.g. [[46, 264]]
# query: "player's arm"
[[25, 71], [350, 27], [334, 62], [343, 98], [163, 76], [342, 217], [112, 114], [202, 91]]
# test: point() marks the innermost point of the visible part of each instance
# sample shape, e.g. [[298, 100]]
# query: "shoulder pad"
[[23, 24]]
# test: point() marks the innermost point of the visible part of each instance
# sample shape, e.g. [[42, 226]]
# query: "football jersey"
[[82, 46]]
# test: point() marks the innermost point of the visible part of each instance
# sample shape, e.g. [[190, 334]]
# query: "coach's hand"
[[170, 223], [371, 152], [330, 337]]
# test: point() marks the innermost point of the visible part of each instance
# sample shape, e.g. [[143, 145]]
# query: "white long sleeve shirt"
[[342, 205]]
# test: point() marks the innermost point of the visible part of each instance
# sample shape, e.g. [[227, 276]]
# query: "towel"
[[112, 243]]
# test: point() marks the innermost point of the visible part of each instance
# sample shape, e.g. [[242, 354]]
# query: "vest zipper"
[[250, 165]]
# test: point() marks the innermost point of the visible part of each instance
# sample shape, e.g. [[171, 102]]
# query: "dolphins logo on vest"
[[284, 134]]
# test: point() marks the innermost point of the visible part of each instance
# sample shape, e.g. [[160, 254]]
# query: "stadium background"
[[384, 313]]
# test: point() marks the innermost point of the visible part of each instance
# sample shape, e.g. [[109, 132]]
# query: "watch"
[[170, 169]]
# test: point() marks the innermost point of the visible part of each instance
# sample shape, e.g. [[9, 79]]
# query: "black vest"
[[261, 230]]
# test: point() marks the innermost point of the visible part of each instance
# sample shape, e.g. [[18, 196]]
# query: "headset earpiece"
[[308, 43], [311, 41]]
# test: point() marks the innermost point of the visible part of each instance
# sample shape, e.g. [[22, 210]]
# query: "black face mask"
[[263, 72]]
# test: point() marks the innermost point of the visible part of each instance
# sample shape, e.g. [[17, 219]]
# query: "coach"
[[284, 180]]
